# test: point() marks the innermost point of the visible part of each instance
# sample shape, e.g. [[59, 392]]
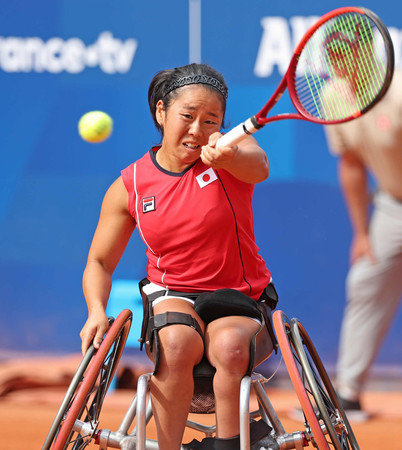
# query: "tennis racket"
[[341, 68]]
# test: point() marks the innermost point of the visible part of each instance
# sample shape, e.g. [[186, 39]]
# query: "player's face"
[[191, 118]]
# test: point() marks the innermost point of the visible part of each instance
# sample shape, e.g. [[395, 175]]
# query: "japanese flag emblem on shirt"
[[206, 177]]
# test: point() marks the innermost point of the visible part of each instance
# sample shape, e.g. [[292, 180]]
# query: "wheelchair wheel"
[[292, 362], [71, 391], [76, 422], [330, 409], [316, 394]]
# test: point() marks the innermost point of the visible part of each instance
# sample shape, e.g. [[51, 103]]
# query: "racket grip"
[[238, 133]]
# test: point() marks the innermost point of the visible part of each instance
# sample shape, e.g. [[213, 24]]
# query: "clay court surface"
[[29, 406]]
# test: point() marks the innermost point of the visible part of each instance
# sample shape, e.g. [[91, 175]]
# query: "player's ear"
[[160, 113]]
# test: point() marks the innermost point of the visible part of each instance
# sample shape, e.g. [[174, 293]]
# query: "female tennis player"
[[192, 205]]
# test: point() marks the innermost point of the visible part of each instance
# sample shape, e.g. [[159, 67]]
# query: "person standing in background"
[[369, 148]]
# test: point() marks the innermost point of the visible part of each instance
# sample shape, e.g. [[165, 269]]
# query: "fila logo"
[[206, 177], [148, 204]]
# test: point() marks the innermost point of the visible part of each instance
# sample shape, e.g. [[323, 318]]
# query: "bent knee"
[[181, 346], [231, 351]]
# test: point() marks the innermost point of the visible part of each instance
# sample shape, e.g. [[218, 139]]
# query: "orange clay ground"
[[28, 406]]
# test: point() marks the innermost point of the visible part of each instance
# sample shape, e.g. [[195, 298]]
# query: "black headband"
[[198, 79]]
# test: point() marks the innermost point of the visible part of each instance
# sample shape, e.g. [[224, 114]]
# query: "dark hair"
[[165, 83]]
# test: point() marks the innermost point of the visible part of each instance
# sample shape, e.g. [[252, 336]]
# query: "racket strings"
[[342, 68]]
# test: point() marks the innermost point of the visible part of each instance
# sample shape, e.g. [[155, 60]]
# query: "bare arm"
[[112, 234], [354, 184], [247, 161]]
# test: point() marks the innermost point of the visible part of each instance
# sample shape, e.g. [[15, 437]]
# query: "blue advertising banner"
[[62, 58]]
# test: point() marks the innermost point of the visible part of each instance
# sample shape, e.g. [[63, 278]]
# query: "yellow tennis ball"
[[95, 126]]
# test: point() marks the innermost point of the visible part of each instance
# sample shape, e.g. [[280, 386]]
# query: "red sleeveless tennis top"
[[198, 227]]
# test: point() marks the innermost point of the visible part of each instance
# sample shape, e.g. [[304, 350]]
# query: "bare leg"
[[181, 348], [227, 342]]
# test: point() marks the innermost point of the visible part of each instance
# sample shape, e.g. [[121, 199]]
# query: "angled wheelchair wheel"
[[71, 392], [76, 422], [322, 411], [328, 405], [282, 330]]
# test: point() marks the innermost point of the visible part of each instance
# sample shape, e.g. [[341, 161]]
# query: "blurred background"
[[62, 58]]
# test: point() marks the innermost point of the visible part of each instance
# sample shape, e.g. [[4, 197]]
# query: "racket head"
[[342, 67]]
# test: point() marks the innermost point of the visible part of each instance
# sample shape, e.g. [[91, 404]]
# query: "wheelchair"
[[77, 423]]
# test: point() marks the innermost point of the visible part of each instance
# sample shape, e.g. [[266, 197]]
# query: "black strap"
[[270, 296], [171, 318], [145, 307], [262, 306]]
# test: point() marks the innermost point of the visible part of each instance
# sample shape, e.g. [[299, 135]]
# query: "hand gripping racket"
[[342, 67]]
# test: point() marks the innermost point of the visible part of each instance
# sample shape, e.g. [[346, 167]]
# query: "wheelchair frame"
[[326, 426]]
